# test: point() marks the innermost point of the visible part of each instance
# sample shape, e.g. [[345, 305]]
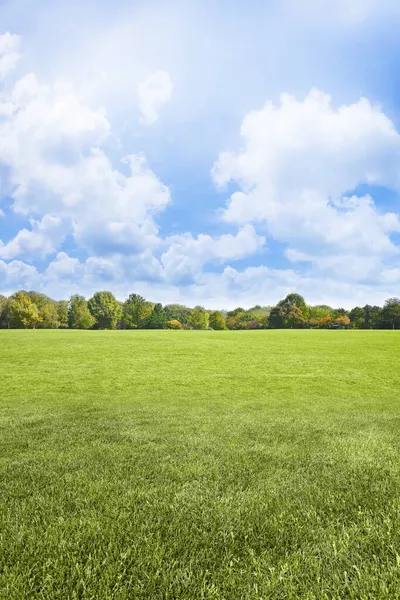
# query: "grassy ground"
[[190, 465]]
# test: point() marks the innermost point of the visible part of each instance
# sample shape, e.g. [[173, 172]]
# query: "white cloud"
[[186, 255], [50, 142], [153, 93], [18, 275], [296, 166], [42, 240], [9, 53]]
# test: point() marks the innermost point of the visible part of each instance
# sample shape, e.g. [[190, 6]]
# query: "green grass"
[[190, 465]]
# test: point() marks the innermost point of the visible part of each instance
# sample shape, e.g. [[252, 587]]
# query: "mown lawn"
[[190, 465]]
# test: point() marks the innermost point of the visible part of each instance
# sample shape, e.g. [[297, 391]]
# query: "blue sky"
[[217, 153]]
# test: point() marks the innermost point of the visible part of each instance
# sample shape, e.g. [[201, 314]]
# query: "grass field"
[[190, 465]]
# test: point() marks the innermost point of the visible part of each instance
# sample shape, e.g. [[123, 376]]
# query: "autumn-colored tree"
[[325, 322], [252, 325], [342, 322], [174, 324]]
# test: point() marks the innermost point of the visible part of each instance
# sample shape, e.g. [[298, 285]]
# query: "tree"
[[391, 314], [158, 318], [325, 322], [217, 321], [275, 319], [294, 300], [79, 316], [252, 325], [342, 322], [106, 310], [235, 312], [135, 312], [372, 316], [24, 313], [5, 316], [293, 317], [62, 311], [48, 316], [357, 317], [174, 324], [177, 312], [315, 313], [198, 318]]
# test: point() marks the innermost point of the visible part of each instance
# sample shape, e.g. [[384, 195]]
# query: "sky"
[[209, 152]]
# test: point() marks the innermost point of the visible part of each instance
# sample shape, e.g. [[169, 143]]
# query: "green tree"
[[275, 319], [293, 317], [198, 318], [158, 319], [135, 312], [62, 312], [106, 310], [294, 300], [391, 314], [79, 316], [357, 317], [372, 316], [177, 312], [48, 316], [24, 313], [5, 312], [217, 321]]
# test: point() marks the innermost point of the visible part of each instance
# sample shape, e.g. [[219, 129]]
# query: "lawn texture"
[[199, 465]]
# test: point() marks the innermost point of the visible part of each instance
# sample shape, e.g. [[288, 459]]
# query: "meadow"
[[173, 465]]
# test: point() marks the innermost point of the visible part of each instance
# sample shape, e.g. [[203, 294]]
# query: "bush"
[[174, 324]]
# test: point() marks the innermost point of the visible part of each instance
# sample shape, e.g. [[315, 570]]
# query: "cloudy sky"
[[208, 152]]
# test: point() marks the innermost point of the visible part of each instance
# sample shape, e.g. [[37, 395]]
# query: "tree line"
[[30, 310]]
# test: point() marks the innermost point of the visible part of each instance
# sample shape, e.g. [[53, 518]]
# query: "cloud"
[[153, 93], [186, 255], [43, 239], [294, 171], [54, 148], [9, 53]]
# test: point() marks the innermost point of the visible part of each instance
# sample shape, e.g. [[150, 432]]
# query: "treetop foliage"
[[30, 310]]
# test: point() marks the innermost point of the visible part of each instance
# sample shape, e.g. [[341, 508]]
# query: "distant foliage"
[[198, 318], [23, 312], [217, 321], [105, 309], [30, 309], [174, 324], [79, 316]]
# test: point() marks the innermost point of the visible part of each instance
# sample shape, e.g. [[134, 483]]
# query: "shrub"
[[174, 324]]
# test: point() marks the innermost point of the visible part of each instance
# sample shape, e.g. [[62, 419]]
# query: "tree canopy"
[[30, 309]]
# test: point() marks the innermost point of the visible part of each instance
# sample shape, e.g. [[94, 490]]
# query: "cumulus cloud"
[[294, 171], [41, 240], [153, 93], [9, 53], [186, 254], [52, 145]]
